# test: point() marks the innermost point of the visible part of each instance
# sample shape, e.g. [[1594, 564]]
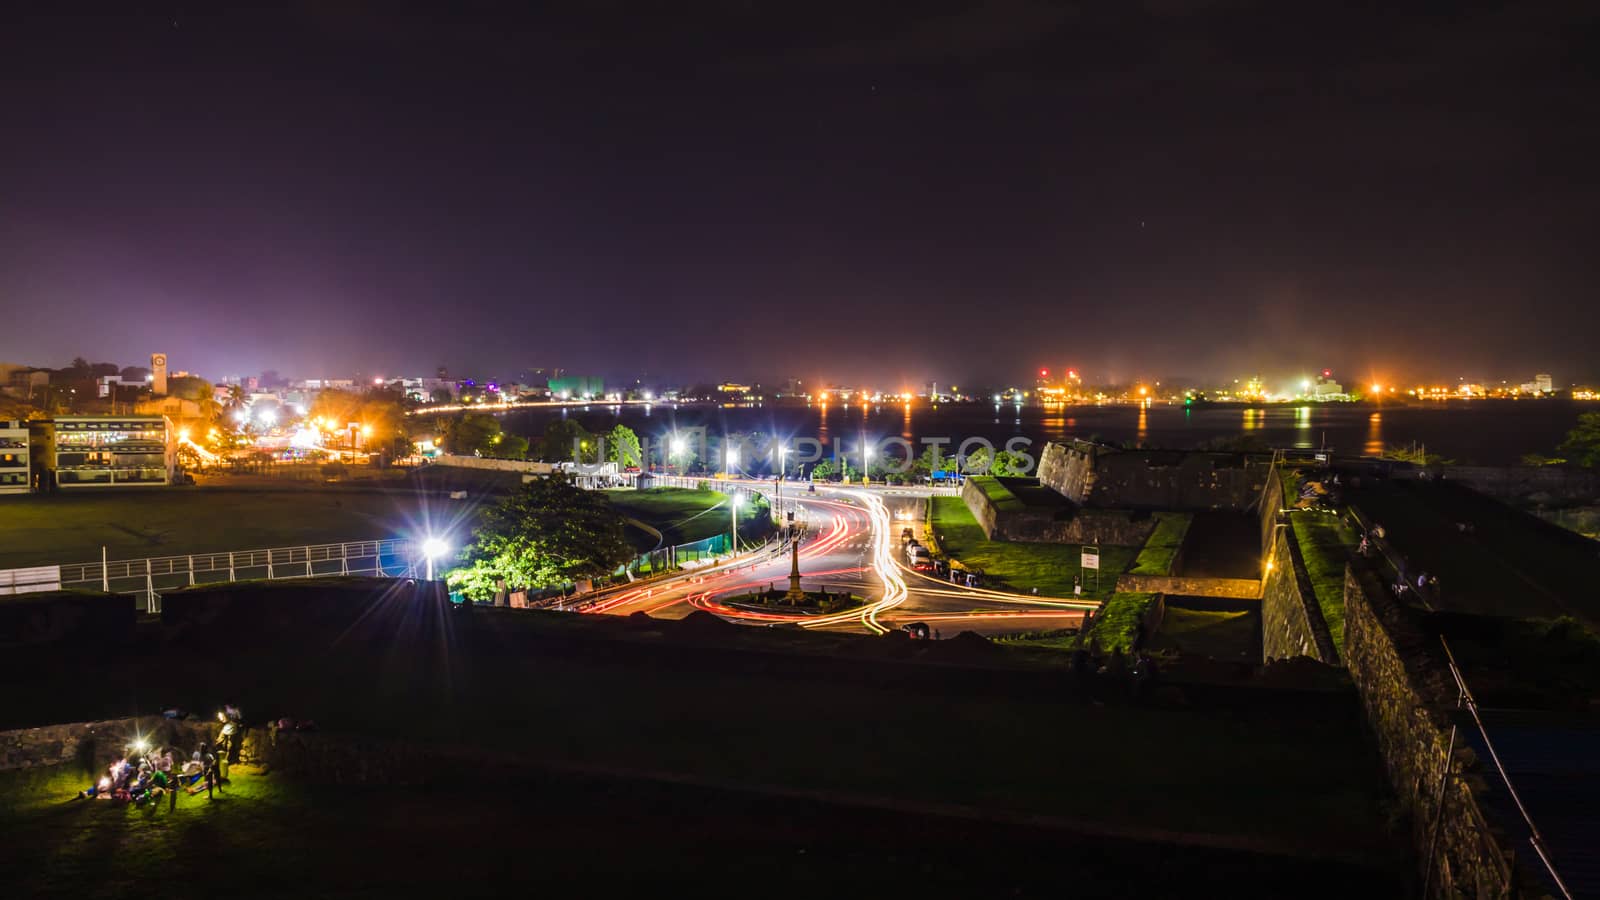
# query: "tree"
[[623, 448], [565, 439], [1008, 464], [824, 470], [200, 392], [1416, 454], [1582, 445], [510, 446], [978, 462], [548, 533], [470, 434], [440, 395], [929, 462]]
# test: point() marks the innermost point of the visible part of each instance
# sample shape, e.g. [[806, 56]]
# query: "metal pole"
[[191, 570], [230, 566], [105, 571], [308, 562]]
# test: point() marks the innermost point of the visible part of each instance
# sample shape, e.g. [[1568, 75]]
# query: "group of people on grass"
[[149, 773]]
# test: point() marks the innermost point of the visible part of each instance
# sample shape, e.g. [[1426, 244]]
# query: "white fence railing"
[[146, 578]]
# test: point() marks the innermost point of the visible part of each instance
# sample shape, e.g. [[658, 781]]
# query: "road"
[[850, 542]]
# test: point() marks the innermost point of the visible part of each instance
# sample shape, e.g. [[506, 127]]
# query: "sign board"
[[29, 581], [1091, 558]]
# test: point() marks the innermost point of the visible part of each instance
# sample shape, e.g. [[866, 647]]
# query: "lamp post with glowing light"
[[679, 446], [735, 501], [433, 548]]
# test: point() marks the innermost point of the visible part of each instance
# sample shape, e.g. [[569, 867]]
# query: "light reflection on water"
[[1485, 433]]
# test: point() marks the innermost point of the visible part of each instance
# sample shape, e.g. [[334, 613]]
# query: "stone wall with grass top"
[[1405, 691], [1291, 621]]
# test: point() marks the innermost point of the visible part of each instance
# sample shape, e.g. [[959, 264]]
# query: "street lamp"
[[733, 459], [733, 512], [434, 548]]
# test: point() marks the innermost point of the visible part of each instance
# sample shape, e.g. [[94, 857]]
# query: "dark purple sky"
[[839, 191]]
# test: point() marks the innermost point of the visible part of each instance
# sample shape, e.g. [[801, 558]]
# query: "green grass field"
[[998, 494], [1022, 566], [514, 833], [1159, 551], [682, 515], [1228, 635], [72, 527], [1116, 625], [1326, 545], [671, 701]]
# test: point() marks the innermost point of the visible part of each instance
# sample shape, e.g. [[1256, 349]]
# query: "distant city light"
[[267, 416]]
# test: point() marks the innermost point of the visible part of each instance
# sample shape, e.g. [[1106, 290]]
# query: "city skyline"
[[1206, 189]]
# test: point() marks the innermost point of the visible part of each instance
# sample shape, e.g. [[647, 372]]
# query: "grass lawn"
[[685, 515], [998, 494], [1229, 635], [565, 690], [1508, 564], [1057, 639], [1326, 545], [71, 528], [515, 833], [1116, 625], [1022, 566], [1159, 551]]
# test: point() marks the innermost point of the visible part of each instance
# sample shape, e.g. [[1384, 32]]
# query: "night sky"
[[861, 190]]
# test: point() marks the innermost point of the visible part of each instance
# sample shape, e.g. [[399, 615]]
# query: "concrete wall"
[[1404, 691], [1291, 621]]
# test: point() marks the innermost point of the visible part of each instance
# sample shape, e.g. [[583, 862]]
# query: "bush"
[[334, 470]]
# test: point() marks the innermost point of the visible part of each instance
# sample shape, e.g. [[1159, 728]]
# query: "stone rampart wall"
[[97, 744], [1405, 689], [1061, 525], [1291, 621], [1109, 478], [1233, 588], [1539, 485]]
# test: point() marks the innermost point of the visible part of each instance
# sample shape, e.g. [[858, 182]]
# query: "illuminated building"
[[15, 474], [81, 452]]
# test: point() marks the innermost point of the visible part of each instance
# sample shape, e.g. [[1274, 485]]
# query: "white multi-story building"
[[16, 474], [109, 451], [1541, 384]]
